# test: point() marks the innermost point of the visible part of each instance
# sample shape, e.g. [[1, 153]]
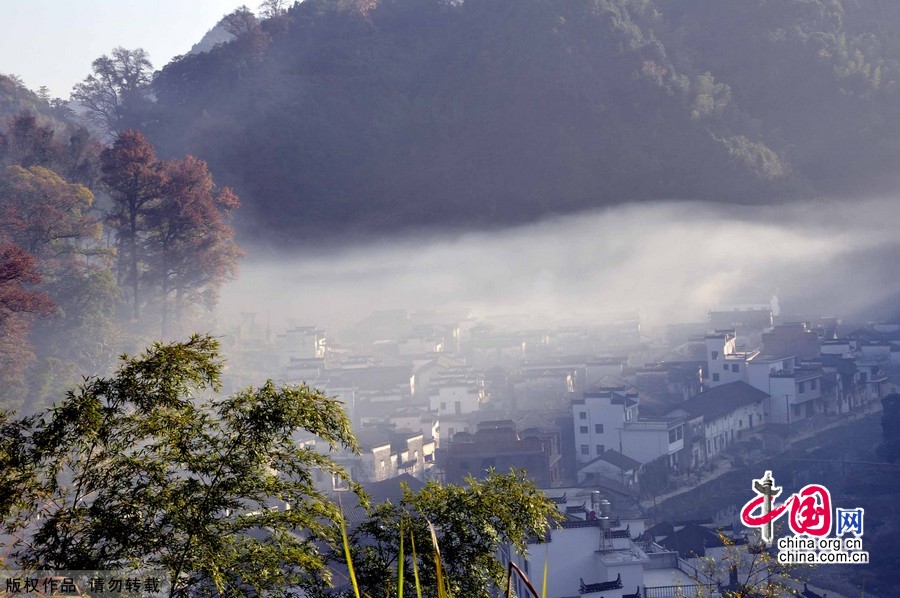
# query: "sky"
[[53, 42]]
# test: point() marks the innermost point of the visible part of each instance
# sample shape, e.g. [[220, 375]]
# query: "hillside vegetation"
[[373, 116]]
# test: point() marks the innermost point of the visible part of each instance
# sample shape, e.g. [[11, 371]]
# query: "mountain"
[[369, 117], [15, 99]]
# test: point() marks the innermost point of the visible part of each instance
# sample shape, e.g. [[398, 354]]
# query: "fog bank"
[[670, 261]]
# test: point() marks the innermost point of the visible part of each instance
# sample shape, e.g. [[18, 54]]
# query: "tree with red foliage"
[[135, 179], [18, 306], [190, 243]]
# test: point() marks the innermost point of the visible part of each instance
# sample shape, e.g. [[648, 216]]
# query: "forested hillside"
[[82, 280], [371, 116]]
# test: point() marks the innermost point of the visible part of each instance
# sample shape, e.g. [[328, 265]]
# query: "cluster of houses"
[[440, 395], [586, 412]]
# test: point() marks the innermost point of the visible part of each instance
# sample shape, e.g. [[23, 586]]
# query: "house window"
[[443, 406], [582, 415], [585, 449], [741, 423], [598, 428], [715, 354], [600, 449], [812, 384], [676, 434], [735, 368], [802, 387], [724, 367], [583, 429], [715, 377]]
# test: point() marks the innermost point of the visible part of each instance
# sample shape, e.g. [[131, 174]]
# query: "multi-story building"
[[608, 419], [498, 445]]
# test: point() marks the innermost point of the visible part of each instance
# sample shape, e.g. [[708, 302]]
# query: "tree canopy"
[[473, 522], [150, 468], [337, 116], [117, 87]]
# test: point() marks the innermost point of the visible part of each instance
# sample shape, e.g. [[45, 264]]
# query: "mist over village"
[[536, 298]]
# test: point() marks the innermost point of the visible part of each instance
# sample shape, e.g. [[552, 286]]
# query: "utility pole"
[[787, 411]]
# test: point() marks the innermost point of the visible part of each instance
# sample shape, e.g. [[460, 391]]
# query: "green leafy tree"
[[51, 219], [473, 522], [149, 468]]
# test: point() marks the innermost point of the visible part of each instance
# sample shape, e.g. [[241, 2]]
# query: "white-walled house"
[[795, 393], [647, 439], [726, 414], [455, 397], [724, 363], [300, 342], [608, 419], [599, 418], [613, 465], [594, 553]]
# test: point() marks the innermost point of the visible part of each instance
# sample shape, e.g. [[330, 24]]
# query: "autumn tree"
[[47, 216], [190, 245], [19, 304], [70, 151], [150, 468], [135, 179], [119, 84]]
